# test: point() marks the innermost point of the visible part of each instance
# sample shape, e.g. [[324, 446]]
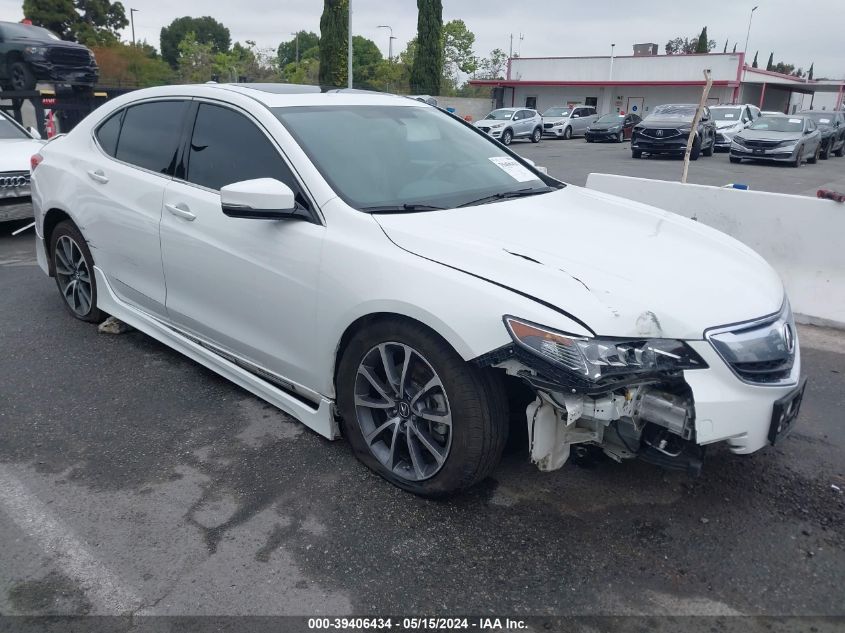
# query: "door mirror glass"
[[262, 199], [34, 133], [576, 116]]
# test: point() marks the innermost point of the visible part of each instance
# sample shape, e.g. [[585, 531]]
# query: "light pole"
[[612, 49], [349, 49], [389, 41], [132, 13], [748, 33], [296, 37]]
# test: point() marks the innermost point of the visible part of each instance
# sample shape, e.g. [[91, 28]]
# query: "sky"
[[799, 32]]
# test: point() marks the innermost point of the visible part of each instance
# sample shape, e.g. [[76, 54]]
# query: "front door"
[[246, 286]]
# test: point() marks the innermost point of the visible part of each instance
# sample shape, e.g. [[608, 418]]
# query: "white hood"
[[623, 268], [15, 153], [720, 125]]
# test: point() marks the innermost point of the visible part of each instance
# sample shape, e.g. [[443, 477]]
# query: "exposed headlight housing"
[[594, 359], [36, 51]]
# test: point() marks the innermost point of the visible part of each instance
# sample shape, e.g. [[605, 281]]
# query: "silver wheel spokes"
[[73, 275], [403, 412]]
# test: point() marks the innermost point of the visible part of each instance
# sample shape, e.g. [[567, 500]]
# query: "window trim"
[[123, 110], [315, 213]]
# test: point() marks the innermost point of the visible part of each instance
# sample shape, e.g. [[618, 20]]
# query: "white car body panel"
[[15, 153], [277, 296]]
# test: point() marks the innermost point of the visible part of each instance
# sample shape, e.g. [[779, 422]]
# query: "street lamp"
[[748, 33], [389, 41], [132, 13], [349, 48]]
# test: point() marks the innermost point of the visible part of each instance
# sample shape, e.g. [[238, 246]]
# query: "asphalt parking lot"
[[134, 481]]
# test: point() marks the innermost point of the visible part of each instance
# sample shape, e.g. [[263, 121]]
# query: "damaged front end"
[[627, 396]]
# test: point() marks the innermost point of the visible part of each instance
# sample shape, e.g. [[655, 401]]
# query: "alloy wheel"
[[18, 79], [403, 411], [73, 275]]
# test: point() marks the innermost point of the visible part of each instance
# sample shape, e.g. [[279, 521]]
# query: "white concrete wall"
[[466, 106], [798, 235], [652, 68]]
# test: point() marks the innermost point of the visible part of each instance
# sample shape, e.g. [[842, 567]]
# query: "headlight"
[[597, 358], [788, 144], [36, 51], [739, 140], [495, 125], [615, 128]]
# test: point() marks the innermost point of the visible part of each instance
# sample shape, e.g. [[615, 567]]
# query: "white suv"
[[507, 124], [396, 282], [566, 122]]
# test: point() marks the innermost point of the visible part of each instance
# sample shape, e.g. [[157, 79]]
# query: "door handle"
[[181, 211], [98, 176]]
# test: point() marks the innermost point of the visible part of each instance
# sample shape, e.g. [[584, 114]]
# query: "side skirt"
[[317, 417]]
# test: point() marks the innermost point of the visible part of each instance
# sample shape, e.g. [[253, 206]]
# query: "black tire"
[[68, 229], [620, 138], [507, 137], [475, 400], [841, 151], [635, 153], [536, 135], [567, 133], [21, 77], [710, 148], [815, 157], [825, 153], [735, 160], [695, 152], [798, 158], [588, 139]]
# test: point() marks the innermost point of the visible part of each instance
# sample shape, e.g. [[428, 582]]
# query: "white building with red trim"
[[639, 83]]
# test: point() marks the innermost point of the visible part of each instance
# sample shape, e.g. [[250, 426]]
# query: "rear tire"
[[403, 451], [507, 137], [73, 266], [536, 135]]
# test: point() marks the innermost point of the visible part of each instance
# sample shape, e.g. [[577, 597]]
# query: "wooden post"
[[708, 81]]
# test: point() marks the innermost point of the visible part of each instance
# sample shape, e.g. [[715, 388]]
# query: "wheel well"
[[51, 219]]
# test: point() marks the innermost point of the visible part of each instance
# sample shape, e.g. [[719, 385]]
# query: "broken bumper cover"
[[76, 75]]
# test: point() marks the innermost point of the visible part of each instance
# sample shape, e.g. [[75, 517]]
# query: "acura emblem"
[[404, 409], [659, 132], [788, 338]]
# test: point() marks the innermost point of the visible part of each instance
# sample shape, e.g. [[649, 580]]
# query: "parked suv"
[[29, 54], [566, 122], [666, 131], [831, 124], [507, 124]]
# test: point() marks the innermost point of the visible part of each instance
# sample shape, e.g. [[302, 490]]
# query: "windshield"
[[683, 111], [726, 114], [557, 112], [25, 31], [825, 118], [10, 130], [500, 115], [611, 118], [778, 124], [393, 156]]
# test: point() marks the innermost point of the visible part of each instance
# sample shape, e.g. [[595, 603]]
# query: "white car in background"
[[730, 120], [407, 282], [17, 145], [507, 124], [566, 122]]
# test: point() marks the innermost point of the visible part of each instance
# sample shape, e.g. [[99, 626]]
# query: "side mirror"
[[576, 116], [259, 199], [34, 133]]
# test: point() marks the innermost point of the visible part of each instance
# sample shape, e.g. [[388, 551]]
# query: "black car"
[[667, 128], [29, 54], [832, 126], [612, 127]]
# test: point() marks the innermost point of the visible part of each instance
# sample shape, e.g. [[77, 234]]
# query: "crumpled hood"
[[15, 154], [623, 268]]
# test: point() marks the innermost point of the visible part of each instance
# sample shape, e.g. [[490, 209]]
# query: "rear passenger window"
[[227, 147], [150, 134], [108, 132]]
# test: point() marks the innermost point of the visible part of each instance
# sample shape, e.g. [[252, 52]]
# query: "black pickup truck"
[[29, 54]]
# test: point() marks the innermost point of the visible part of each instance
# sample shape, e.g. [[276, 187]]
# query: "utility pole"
[[296, 36], [132, 13], [349, 49]]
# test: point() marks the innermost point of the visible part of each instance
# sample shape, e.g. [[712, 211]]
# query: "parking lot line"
[[106, 592]]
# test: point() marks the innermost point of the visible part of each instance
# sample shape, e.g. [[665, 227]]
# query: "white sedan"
[[396, 283], [17, 145]]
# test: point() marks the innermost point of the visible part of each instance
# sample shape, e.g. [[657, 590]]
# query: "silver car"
[[566, 122], [786, 139], [507, 124]]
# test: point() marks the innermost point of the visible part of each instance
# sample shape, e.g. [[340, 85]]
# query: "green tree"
[[734, 50], [307, 71], [810, 72], [493, 66], [309, 48], [366, 58], [206, 30], [88, 21], [754, 63], [770, 64], [428, 61], [131, 66], [457, 45], [701, 46], [334, 33]]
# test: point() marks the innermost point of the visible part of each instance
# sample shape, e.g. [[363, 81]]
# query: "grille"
[[761, 144], [548, 126], [66, 56], [14, 179], [720, 138], [765, 371], [659, 132]]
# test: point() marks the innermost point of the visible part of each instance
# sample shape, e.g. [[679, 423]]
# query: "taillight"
[[35, 161]]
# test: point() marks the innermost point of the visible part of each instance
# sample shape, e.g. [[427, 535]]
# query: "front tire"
[[825, 154], [636, 153], [536, 135], [620, 138], [735, 160], [567, 133], [798, 157], [507, 137], [815, 157], [695, 152], [416, 413], [74, 271], [21, 77], [841, 151], [710, 148]]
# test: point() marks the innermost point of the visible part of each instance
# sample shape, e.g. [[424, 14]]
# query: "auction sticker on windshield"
[[513, 168]]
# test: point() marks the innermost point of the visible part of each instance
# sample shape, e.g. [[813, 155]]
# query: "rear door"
[[247, 286], [124, 179]]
